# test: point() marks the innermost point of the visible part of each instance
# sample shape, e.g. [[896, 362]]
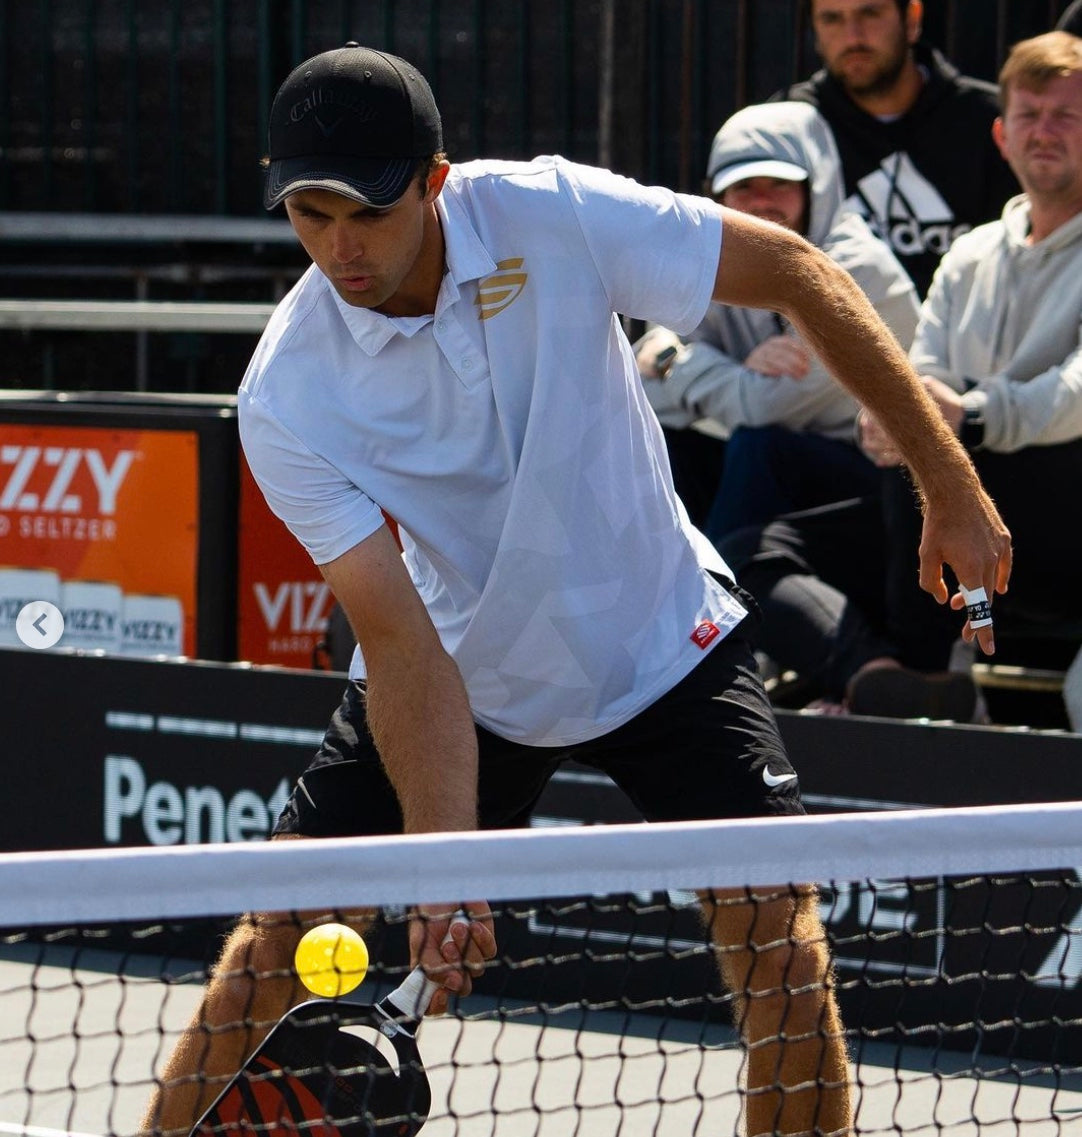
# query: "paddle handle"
[[413, 995]]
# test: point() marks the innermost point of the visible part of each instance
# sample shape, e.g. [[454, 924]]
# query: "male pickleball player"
[[454, 359]]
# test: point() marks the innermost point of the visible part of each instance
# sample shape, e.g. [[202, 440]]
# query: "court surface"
[[96, 1041]]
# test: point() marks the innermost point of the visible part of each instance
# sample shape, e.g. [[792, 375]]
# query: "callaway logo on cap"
[[355, 121]]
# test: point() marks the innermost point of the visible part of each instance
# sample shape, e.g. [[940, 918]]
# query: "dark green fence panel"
[[131, 106], [150, 107]]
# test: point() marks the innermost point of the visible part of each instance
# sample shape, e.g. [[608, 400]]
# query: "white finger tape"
[[978, 609]]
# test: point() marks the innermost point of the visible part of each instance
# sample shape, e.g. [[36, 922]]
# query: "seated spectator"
[[998, 347], [745, 374]]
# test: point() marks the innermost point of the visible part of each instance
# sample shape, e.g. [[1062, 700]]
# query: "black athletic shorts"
[[709, 748]]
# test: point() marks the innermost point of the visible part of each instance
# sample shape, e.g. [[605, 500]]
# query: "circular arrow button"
[[40, 624]]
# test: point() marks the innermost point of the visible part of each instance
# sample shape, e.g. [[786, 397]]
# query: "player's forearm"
[[765, 266], [860, 351], [421, 724], [416, 708]]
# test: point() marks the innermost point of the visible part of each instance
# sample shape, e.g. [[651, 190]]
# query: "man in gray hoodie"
[[998, 348], [744, 373]]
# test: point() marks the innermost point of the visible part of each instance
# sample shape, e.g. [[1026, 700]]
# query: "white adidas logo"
[[905, 209]]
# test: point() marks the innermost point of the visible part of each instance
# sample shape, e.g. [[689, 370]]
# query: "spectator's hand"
[[875, 442], [651, 346], [779, 355], [452, 963], [947, 399]]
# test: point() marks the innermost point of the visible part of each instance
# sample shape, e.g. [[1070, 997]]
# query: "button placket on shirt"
[[463, 354]]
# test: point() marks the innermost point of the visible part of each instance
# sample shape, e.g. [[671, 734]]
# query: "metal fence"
[[160, 107]]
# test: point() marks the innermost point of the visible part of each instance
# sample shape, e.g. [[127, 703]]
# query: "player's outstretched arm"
[[765, 266], [420, 720], [417, 707]]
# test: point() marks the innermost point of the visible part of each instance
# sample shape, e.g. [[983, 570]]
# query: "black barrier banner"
[[106, 752]]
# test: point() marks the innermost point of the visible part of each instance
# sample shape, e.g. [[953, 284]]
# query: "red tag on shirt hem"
[[705, 634]]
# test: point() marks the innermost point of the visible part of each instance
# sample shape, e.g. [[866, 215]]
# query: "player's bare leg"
[[251, 987], [773, 956]]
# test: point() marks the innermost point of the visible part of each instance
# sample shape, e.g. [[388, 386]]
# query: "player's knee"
[[798, 967], [797, 960], [789, 989]]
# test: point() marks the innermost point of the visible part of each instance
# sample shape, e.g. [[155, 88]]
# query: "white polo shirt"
[[509, 436]]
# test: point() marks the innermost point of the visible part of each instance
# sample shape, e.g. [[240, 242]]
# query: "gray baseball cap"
[[728, 176]]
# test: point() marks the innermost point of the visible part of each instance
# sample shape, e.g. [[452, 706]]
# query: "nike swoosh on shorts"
[[773, 780]]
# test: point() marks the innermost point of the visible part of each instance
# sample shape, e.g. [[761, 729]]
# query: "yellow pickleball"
[[331, 960]]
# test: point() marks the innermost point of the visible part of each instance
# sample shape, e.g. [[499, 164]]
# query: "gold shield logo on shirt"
[[502, 289]]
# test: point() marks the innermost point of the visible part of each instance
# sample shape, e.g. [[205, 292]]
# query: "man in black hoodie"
[[915, 136]]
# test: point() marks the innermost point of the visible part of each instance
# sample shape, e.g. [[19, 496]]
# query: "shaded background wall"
[[131, 107], [118, 105]]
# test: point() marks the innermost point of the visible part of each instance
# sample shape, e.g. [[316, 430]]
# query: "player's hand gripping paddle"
[[312, 1075]]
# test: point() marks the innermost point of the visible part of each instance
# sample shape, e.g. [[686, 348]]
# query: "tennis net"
[[956, 939]]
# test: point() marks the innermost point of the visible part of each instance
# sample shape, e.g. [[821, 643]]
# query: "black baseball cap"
[[353, 120]]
